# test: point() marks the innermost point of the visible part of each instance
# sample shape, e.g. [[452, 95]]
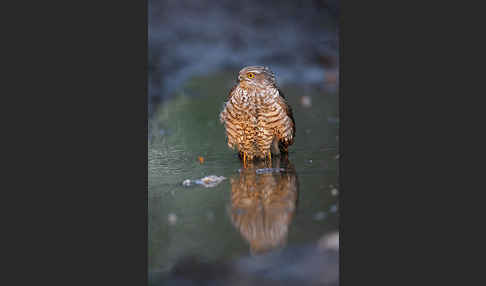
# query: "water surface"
[[254, 210]]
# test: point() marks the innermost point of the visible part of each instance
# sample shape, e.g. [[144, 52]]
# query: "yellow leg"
[[269, 156], [244, 159]]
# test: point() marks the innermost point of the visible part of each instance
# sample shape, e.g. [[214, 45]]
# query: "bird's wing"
[[223, 114], [286, 132]]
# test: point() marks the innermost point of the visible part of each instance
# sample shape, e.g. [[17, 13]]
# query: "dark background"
[[298, 39]]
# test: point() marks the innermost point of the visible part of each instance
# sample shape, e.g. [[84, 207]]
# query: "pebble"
[[208, 181], [306, 101], [269, 170], [186, 183], [330, 241], [320, 215], [333, 208], [172, 218]]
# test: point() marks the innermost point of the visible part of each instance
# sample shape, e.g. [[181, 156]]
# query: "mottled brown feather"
[[283, 144], [256, 114]]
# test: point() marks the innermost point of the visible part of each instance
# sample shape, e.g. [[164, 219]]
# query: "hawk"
[[256, 116]]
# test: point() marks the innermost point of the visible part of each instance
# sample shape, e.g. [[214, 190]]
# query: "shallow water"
[[252, 211]]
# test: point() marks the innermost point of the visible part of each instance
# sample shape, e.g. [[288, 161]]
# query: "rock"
[[207, 182], [269, 170], [172, 218], [320, 215], [306, 101], [186, 183]]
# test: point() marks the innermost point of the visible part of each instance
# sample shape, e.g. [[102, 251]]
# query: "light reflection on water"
[[263, 204]]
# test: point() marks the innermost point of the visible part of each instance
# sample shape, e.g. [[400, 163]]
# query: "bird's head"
[[256, 76]]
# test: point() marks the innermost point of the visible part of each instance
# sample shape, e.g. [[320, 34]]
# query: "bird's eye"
[[250, 75]]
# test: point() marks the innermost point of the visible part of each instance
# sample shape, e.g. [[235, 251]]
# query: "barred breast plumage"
[[257, 118]]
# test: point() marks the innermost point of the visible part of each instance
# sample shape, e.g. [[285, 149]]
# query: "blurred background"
[[298, 39], [218, 235]]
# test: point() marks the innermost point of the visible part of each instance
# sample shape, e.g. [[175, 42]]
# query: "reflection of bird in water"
[[262, 204], [257, 118]]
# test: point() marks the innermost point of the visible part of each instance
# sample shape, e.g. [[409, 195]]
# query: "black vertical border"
[[396, 61], [80, 143], [341, 145]]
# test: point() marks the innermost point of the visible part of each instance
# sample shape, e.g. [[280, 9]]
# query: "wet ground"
[[279, 212]]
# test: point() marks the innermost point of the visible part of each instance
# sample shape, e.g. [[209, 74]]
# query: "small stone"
[[333, 208], [172, 218], [330, 241], [306, 101], [210, 181], [269, 170], [186, 183], [320, 215], [331, 77]]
